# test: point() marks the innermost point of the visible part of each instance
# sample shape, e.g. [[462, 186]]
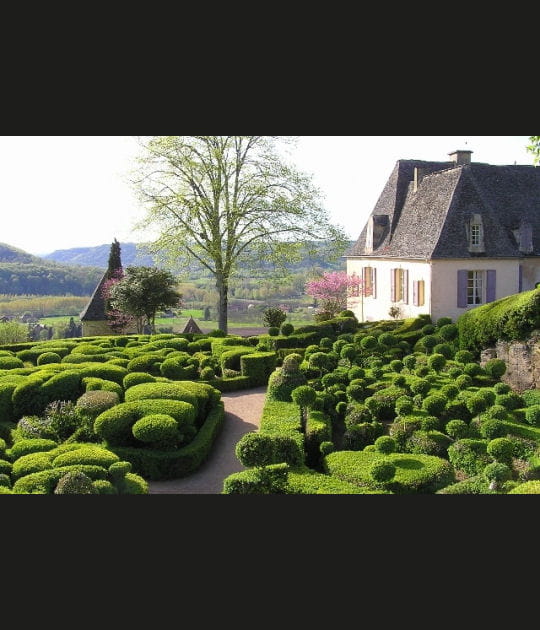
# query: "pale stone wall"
[[522, 360]]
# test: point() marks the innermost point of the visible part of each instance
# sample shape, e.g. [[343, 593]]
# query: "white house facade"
[[445, 237]]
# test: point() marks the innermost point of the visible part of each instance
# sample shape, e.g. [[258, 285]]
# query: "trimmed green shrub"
[[87, 454], [381, 471], [75, 482], [135, 378], [491, 428], [434, 404], [94, 402], [498, 412], [510, 401], [11, 362], [497, 472], [457, 429], [532, 415], [158, 429], [495, 368], [48, 357], [419, 386], [501, 388], [385, 444], [115, 425], [528, 487], [436, 361], [469, 455], [464, 356], [271, 479], [501, 449]]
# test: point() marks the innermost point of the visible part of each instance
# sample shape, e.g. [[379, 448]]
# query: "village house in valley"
[[445, 237]]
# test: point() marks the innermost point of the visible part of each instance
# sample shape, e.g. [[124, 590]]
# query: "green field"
[[178, 323]]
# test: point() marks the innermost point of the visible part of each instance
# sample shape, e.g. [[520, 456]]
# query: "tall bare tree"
[[229, 201]]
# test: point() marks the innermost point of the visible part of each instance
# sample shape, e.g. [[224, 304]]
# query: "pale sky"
[[60, 192]]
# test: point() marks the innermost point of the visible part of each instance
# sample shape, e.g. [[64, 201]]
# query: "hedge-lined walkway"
[[243, 411]]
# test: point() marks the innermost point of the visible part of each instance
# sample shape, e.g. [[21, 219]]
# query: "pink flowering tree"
[[117, 320], [333, 289]]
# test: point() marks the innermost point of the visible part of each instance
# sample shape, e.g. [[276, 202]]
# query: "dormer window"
[[476, 234]]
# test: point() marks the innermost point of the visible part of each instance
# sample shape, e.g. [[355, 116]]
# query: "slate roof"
[[94, 311], [430, 223]]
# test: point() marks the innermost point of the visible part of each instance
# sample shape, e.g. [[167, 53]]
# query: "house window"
[[475, 229], [399, 285], [475, 234], [369, 281], [418, 293], [475, 288]]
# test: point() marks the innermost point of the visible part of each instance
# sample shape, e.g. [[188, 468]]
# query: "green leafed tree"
[[229, 202], [534, 148], [115, 262], [142, 292]]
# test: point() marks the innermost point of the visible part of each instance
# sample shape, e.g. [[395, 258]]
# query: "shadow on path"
[[243, 412]]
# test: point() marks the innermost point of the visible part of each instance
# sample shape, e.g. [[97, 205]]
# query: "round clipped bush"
[[355, 392], [436, 362], [10, 362], [404, 405], [115, 425], [450, 391], [396, 365], [207, 374], [368, 342], [495, 368], [476, 404], [399, 380], [448, 332], [48, 357], [498, 412], [385, 444], [75, 482], [382, 471], [464, 356], [356, 372], [434, 404], [95, 401], [510, 401], [419, 386], [254, 449], [287, 329], [492, 428], [497, 472], [454, 372], [273, 331], [457, 429], [135, 378], [409, 361], [472, 369], [430, 423], [445, 349], [158, 429], [387, 339], [463, 381], [532, 415], [88, 454], [501, 388], [443, 321], [103, 486], [501, 449]]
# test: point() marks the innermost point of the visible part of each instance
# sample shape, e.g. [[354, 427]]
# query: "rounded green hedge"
[[115, 425]]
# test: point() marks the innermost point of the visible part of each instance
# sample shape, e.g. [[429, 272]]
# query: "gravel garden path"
[[243, 411]]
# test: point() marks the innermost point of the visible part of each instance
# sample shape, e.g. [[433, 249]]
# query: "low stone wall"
[[522, 360]]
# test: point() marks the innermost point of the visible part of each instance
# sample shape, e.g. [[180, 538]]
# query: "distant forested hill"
[[22, 273], [137, 254]]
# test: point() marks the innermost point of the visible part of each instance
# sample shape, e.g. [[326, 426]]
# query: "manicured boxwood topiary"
[[414, 473], [532, 415], [159, 430], [469, 455], [385, 444], [75, 482], [457, 429], [10, 362], [528, 487], [48, 357], [490, 428], [115, 425], [501, 449]]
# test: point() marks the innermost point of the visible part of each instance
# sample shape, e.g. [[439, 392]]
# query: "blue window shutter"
[[520, 278], [374, 282], [462, 288], [491, 275], [392, 285], [415, 292]]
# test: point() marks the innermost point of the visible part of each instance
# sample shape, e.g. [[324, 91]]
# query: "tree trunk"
[[222, 286]]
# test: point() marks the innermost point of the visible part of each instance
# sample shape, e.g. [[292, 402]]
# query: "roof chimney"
[[460, 156]]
